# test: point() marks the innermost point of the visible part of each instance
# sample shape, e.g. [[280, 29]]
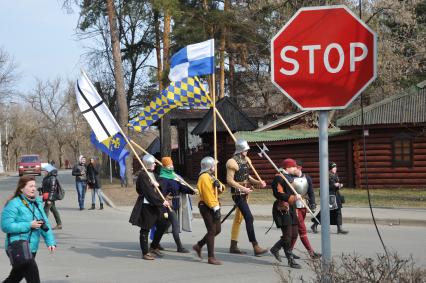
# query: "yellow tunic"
[[207, 191]]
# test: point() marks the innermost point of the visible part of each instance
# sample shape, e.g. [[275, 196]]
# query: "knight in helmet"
[[284, 211], [209, 188], [148, 207], [240, 181], [302, 183]]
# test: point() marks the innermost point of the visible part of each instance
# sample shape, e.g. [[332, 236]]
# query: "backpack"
[[60, 192]]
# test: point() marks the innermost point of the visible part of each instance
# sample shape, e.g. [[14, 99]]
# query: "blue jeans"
[[81, 192], [97, 191]]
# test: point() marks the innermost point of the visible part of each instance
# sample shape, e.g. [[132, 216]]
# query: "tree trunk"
[[123, 112], [158, 51], [166, 148], [222, 56]]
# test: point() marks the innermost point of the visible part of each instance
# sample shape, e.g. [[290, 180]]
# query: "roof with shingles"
[[235, 118], [408, 107], [286, 135]]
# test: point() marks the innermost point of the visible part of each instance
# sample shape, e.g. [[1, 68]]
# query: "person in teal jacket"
[[22, 219]]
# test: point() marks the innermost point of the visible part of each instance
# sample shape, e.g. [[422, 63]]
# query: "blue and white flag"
[[193, 60], [114, 147]]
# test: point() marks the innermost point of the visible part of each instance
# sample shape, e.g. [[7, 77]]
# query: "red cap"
[[287, 163]]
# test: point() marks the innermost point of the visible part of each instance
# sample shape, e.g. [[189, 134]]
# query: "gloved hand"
[[216, 213], [196, 192], [313, 207], [216, 184]]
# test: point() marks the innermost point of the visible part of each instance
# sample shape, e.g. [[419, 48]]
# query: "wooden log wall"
[[381, 172], [308, 153]]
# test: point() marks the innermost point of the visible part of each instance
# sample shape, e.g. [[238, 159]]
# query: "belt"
[[237, 192]]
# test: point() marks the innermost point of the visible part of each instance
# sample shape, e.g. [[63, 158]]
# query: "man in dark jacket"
[[94, 182], [173, 189], [50, 189], [334, 186], [284, 211], [80, 172], [147, 210]]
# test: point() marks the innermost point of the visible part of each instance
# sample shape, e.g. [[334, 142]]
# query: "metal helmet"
[[148, 160], [207, 163], [241, 146]]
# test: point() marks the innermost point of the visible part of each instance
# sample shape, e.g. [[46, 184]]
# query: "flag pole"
[[140, 161], [215, 111], [159, 163], [214, 126]]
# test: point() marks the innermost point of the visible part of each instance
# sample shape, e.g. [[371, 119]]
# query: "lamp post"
[[1, 157]]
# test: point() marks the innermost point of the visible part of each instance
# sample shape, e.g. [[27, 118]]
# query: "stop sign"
[[323, 58]]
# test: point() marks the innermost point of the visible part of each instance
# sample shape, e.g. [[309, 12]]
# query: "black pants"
[[29, 271], [161, 226], [213, 229], [289, 233], [335, 217], [241, 202], [174, 220]]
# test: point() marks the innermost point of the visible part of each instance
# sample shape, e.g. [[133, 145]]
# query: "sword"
[[263, 153]]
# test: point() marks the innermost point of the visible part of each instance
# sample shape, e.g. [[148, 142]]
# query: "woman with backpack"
[[52, 192]]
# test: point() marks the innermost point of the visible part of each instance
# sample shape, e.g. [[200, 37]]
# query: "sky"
[[40, 36]]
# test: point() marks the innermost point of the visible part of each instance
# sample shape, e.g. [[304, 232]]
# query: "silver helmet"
[[148, 160], [207, 163], [241, 146]]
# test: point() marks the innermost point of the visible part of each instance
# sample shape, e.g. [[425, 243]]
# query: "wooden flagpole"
[[216, 112], [159, 163], [214, 126]]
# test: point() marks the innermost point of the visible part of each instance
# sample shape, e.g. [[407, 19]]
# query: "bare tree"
[[8, 75]]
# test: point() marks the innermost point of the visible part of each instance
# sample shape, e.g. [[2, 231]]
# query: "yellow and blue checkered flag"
[[187, 92]]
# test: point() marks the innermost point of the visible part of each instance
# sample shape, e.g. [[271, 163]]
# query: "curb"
[[108, 201], [353, 220]]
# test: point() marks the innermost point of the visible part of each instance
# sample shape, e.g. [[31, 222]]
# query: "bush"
[[355, 268]]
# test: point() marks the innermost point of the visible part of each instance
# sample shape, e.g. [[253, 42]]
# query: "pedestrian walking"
[[80, 172], [238, 177], [147, 210], [173, 189], [209, 208], [24, 222], [50, 190], [336, 201], [284, 211], [94, 183]]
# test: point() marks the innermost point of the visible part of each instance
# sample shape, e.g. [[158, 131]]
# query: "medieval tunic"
[[238, 178], [147, 209]]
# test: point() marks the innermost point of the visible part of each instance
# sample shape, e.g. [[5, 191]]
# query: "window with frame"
[[402, 150]]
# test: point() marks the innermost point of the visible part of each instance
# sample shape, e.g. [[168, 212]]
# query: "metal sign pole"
[[1, 157], [324, 191]]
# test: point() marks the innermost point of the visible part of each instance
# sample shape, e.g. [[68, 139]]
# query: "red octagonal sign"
[[323, 58]]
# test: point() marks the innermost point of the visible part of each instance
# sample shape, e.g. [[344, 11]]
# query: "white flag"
[[95, 110]]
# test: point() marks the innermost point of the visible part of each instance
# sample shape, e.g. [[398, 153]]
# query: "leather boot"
[[314, 228], [258, 250], [292, 263], [294, 256], [214, 261], [197, 249], [314, 255], [233, 249], [340, 230], [148, 257], [93, 207], [101, 206], [275, 250]]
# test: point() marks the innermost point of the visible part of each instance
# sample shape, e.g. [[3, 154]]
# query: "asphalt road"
[[102, 247]]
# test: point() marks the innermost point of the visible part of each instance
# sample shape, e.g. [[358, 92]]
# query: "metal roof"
[[235, 118], [408, 107], [286, 135], [281, 121]]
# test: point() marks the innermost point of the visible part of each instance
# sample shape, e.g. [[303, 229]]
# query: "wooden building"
[[395, 135], [302, 145]]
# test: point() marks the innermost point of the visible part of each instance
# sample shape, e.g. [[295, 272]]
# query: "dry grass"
[[397, 198]]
